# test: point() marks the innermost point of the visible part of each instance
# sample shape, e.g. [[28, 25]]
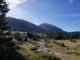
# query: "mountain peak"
[[23, 25], [50, 28]]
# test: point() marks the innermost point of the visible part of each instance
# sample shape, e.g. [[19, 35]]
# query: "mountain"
[[22, 25], [50, 28]]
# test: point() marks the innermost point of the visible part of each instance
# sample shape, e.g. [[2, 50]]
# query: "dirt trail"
[[42, 46]]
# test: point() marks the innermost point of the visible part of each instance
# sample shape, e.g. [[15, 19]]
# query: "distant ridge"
[[22, 25], [50, 28]]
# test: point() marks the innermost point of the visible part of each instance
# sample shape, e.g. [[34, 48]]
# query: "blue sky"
[[62, 13]]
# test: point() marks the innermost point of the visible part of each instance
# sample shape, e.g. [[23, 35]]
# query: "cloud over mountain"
[[14, 3]]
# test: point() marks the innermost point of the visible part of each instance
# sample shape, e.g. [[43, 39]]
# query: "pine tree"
[[7, 46]]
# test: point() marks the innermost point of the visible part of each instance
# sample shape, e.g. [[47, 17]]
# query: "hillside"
[[23, 25], [50, 28]]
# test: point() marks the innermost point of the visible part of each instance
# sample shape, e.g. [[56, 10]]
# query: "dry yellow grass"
[[26, 50], [70, 57], [62, 52]]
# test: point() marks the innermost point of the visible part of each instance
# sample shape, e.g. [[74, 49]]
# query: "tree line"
[[49, 35], [63, 35]]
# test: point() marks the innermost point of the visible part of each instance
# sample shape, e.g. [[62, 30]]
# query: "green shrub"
[[45, 56]]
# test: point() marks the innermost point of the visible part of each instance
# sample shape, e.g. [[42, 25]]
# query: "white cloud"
[[74, 15], [71, 1], [14, 3]]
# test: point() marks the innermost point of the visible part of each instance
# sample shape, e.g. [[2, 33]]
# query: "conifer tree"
[[7, 46]]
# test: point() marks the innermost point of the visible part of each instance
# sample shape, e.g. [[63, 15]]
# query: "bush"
[[45, 56]]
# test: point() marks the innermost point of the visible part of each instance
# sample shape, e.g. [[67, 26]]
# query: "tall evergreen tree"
[[7, 46]]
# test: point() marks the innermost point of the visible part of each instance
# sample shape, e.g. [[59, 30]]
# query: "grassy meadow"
[[65, 49], [60, 49]]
